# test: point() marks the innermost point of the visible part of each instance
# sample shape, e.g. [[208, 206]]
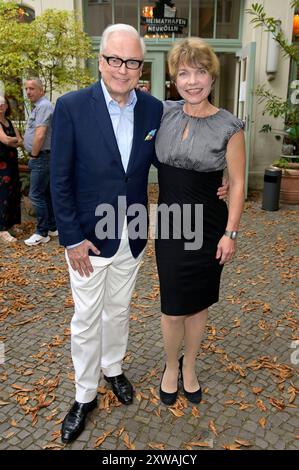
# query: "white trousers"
[[100, 325]]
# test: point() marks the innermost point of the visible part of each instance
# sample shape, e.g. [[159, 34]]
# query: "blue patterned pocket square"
[[151, 134]]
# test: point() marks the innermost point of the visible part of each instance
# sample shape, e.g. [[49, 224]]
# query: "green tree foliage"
[[53, 47], [13, 58], [57, 49]]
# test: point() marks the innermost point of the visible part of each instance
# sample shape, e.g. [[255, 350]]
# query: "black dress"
[[189, 173], [10, 186]]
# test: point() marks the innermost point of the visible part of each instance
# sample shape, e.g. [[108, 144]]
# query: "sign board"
[[164, 25]]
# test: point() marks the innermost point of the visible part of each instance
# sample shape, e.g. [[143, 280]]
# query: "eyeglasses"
[[117, 62]]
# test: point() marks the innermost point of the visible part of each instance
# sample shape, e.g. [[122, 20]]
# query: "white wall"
[[265, 148]]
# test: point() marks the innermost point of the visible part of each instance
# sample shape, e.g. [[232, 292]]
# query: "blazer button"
[[126, 179]]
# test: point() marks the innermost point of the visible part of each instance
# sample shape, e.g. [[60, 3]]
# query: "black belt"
[[45, 152]]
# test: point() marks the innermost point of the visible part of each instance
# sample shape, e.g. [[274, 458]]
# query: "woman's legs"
[[174, 329], [194, 331], [173, 334]]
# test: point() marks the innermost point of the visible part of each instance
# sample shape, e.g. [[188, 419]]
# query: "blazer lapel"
[[102, 117], [138, 131]]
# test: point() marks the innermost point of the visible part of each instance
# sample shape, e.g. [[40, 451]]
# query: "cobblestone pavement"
[[248, 366]]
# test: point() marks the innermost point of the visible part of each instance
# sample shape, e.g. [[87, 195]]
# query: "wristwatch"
[[231, 234]]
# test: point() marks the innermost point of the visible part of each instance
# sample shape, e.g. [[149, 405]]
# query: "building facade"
[[247, 55]]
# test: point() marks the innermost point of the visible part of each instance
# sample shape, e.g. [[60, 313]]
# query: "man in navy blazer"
[[102, 148]]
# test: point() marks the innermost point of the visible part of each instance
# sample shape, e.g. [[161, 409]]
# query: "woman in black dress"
[[10, 186], [196, 141]]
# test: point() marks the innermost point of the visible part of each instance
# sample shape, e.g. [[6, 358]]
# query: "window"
[[216, 18], [203, 18], [167, 19], [126, 11], [228, 15], [99, 16]]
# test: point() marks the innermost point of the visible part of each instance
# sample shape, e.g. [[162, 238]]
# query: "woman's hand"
[[12, 142], [226, 249]]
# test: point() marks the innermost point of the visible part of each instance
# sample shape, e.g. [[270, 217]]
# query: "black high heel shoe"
[[193, 397], [165, 397]]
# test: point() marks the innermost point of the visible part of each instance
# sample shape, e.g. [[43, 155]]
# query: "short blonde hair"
[[192, 52]]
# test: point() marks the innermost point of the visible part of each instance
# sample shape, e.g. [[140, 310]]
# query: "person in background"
[[195, 143], [10, 185], [37, 142]]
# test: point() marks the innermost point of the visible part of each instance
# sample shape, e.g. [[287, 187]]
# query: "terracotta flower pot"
[[289, 189]]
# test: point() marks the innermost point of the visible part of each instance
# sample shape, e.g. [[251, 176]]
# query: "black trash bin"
[[272, 179]]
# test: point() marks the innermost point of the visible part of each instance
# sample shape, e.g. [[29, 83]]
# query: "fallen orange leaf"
[[231, 446], [199, 444], [262, 422], [177, 413], [213, 428], [102, 438], [195, 412], [279, 404], [260, 404], [243, 443], [257, 390], [53, 446], [127, 442], [119, 432], [154, 445]]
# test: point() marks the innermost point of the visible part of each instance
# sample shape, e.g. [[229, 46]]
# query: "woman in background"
[[10, 186]]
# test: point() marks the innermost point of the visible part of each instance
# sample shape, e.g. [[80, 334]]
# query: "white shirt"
[[122, 119]]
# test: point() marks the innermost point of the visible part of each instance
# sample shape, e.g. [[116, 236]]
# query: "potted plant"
[[288, 161], [288, 109]]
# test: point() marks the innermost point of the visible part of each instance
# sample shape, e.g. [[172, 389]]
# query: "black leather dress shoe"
[[122, 388], [193, 397], [74, 422]]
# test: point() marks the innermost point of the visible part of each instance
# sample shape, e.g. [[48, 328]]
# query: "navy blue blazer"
[[86, 167]]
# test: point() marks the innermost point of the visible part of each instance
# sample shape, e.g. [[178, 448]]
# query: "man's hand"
[[223, 190], [79, 259]]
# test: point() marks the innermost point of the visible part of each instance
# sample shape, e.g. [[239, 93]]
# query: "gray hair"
[[37, 80], [118, 28]]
